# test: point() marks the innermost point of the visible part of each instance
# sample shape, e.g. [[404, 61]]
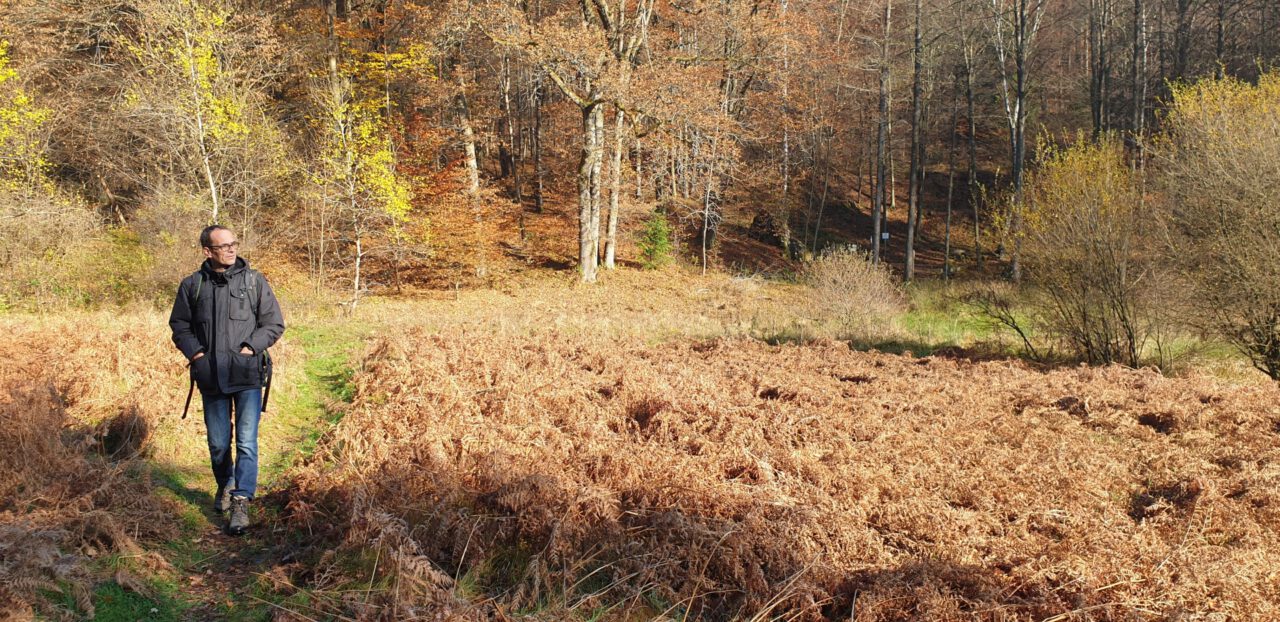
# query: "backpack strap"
[[195, 298], [255, 295]]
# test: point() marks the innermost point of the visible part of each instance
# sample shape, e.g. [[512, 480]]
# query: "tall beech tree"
[[587, 49]]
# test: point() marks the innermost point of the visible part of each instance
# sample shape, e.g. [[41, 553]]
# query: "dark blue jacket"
[[220, 313]]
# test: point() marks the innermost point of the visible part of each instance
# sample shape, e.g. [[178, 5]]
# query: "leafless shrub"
[[859, 298], [998, 303], [168, 225], [44, 234]]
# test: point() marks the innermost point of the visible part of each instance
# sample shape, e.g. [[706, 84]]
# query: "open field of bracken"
[[729, 479], [560, 453]]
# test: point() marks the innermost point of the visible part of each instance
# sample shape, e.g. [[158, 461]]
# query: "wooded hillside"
[[390, 142]]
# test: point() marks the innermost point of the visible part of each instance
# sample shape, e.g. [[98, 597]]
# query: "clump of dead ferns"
[[71, 486]]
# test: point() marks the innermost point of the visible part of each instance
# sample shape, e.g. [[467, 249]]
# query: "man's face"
[[222, 248]]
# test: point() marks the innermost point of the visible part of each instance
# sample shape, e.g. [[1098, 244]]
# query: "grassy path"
[[214, 576]]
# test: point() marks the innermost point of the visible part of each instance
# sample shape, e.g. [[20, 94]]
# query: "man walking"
[[223, 320]]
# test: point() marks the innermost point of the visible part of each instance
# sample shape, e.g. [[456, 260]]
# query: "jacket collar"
[[239, 266]]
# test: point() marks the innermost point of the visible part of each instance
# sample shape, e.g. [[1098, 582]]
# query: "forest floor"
[[969, 486]]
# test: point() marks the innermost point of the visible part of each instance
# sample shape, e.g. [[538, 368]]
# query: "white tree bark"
[[615, 190]]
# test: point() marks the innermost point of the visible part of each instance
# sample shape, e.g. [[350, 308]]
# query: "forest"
[[651, 309], [380, 144]]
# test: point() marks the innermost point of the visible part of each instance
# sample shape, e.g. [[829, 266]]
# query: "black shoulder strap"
[[195, 298], [255, 295]]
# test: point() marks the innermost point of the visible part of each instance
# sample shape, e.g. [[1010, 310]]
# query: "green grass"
[[327, 374], [116, 604], [112, 602], [940, 327], [938, 318]]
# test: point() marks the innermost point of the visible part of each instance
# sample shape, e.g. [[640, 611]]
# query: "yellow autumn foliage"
[[1089, 249], [1219, 167], [22, 162]]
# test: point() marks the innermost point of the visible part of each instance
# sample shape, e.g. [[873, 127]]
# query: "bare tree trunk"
[[706, 222], [1099, 65], [917, 117], [1183, 15], [951, 184], [333, 10], [826, 186], [473, 174], [1139, 78], [357, 233], [1028, 24], [202, 135], [814, 151], [708, 215], [355, 294], [1025, 24], [882, 140], [589, 190], [690, 160], [597, 183], [893, 168], [512, 136], [785, 212], [873, 189], [637, 161], [1220, 41], [615, 190], [538, 171], [1019, 144], [1260, 40], [671, 175], [468, 138], [973, 155]]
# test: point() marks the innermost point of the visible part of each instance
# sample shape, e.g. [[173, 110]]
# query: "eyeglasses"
[[222, 248]]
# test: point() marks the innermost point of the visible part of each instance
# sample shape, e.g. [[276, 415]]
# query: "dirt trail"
[[216, 576]]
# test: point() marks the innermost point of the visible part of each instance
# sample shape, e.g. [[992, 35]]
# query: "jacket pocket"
[[202, 372], [239, 302], [245, 370]]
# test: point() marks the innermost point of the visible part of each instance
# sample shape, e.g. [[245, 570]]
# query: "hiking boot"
[[239, 516], [222, 500]]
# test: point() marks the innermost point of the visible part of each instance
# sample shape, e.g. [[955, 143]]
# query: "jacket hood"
[[239, 266]]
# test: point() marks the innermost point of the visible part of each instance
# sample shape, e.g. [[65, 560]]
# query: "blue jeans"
[[217, 425]]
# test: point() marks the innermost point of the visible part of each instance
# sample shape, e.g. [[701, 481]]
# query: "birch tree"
[[198, 94], [356, 173], [1014, 26]]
